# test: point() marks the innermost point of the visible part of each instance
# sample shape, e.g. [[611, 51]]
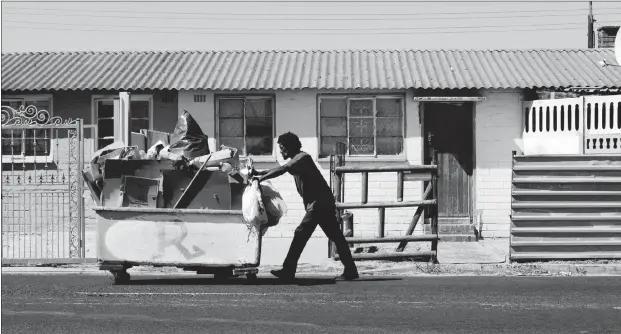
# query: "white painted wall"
[[203, 112], [498, 130]]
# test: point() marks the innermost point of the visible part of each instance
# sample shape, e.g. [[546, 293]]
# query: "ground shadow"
[[301, 281]]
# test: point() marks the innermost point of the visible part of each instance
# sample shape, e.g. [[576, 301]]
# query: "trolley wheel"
[[223, 275], [121, 276], [251, 277]]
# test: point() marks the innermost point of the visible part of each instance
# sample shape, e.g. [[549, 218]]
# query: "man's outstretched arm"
[[270, 173]]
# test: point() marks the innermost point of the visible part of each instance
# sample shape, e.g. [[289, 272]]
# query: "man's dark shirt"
[[308, 180]]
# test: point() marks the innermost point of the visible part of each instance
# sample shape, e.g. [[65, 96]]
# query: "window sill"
[[400, 158], [7, 159]]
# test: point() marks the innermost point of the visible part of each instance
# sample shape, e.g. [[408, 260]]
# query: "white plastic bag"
[[253, 209], [274, 203]]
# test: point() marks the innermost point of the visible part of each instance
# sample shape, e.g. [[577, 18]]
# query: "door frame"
[[472, 181]]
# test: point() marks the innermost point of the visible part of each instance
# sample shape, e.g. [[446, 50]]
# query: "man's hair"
[[290, 141]]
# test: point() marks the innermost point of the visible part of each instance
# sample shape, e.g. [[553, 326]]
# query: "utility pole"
[[591, 33]]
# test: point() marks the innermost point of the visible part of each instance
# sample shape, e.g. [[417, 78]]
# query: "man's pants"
[[326, 218]]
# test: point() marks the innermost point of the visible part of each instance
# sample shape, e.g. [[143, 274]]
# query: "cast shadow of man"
[[261, 281]]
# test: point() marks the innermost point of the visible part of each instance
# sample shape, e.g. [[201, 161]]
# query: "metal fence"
[[566, 207], [42, 186]]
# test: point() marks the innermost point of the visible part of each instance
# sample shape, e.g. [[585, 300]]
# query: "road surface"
[[149, 304]]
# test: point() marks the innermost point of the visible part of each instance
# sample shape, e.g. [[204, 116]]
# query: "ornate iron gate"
[[42, 186]]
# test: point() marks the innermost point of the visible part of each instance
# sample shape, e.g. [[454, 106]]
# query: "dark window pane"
[[259, 145], [388, 107], [139, 124], [361, 127], [232, 127], [231, 108], [140, 109], [389, 145], [39, 104], [259, 127], [259, 108], [37, 147], [389, 126], [332, 127], [11, 142], [105, 108], [328, 145], [104, 142], [361, 108], [12, 103], [361, 146], [36, 143], [105, 128], [235, 142], [333, 107]]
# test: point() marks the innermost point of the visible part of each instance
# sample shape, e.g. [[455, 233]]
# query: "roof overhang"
[[448, 98]]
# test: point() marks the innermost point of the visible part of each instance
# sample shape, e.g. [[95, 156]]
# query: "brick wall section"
[[498, 132]]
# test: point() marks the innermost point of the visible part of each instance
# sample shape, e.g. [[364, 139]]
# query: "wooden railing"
[[425, 173]]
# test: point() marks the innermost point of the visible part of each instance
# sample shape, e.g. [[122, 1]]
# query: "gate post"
[[434, 208]]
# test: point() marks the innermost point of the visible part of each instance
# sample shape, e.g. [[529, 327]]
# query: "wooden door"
[[448, 128]]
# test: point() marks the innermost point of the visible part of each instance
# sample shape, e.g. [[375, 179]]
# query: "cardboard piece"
[[140, 191], [114, 170], [154, 136], [215, 192]]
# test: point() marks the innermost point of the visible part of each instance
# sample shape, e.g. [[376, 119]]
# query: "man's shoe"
[[347, 276], [283, 275]]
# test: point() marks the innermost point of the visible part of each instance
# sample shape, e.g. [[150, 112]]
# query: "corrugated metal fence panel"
[[566, 207], [330, 69]]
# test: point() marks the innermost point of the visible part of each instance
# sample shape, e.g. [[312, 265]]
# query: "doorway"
[[448, 128]]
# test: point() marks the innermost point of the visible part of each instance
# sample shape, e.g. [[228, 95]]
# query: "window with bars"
[[369, 126], [141, 111], [247, 124], [22, 144]]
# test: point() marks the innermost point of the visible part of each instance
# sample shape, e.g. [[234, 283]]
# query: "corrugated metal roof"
[[274, 70]]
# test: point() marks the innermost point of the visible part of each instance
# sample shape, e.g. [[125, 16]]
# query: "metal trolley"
[[214, 242]]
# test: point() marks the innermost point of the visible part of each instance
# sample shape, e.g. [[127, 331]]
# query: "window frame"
[[217, 98], [109, 97], [19, 158], [373, 97]]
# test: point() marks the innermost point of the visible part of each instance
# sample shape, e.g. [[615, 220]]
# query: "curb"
[[477, 269]]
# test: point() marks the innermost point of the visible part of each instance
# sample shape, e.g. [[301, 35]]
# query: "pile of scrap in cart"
[[177, 170]]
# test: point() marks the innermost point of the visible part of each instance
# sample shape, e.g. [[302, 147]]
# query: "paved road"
[[92, 304]]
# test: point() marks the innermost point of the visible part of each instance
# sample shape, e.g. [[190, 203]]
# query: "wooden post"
[[434, 209], [339, 213], [348, 225], [415, 219], [380, 227], [365, 187], [337, 187], [400, 186]]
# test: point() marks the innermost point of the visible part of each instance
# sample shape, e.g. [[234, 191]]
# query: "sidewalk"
[[486, 257]]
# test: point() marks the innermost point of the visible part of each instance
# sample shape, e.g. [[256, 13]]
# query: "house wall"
[[498, 132], [498, 126], [296, 111]]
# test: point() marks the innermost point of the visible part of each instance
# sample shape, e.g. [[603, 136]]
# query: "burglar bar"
[[425, 173]]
